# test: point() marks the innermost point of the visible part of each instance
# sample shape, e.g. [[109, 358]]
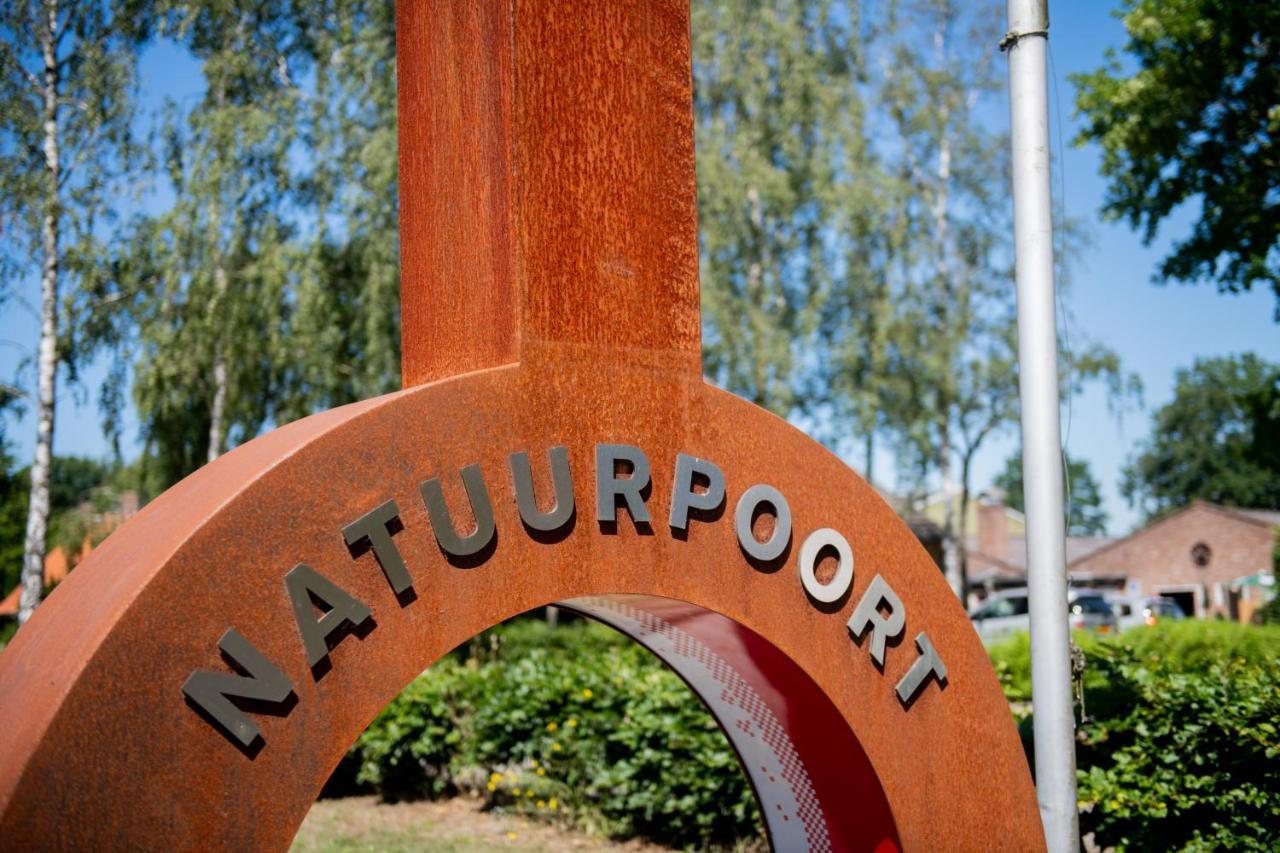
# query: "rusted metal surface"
[[548, 195], [104, 731], [581, 273]]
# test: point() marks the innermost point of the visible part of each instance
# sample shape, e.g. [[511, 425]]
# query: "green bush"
[[1269, 613], [1189, 645], [1181, 758], [1179, 746], [1194, 645], [575, 723], [1012, 659]]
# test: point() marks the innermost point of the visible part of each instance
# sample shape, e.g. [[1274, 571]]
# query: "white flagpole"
[[1054, 728]]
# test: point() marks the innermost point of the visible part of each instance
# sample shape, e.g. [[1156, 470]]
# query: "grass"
[[458, 825]]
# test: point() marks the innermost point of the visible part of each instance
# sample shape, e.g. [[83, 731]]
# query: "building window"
[[1201, 554]]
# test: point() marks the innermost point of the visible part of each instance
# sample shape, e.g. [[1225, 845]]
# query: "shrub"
[[1181, 759], [1269, 613], [1193, 645], [1180, 743], [576, 723], [1189, 645]]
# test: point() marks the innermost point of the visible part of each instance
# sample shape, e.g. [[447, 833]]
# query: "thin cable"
[[1059, 274]]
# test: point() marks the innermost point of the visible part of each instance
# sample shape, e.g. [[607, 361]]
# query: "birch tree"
[[68, 72], [777, 120], [344, 341], [212, 318], [953, 348], [953, 326]]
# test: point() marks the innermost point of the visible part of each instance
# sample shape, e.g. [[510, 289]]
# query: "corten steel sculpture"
[[194, 683]]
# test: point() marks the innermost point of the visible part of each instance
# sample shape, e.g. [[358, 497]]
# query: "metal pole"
[[1054, 724]]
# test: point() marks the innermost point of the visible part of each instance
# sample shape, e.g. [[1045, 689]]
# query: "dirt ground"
[[449, 826]]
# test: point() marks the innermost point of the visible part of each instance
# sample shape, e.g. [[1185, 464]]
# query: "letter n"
[[218, 693]]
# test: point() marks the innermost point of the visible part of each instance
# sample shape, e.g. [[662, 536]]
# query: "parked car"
[[1134, 610], [1005, 613]]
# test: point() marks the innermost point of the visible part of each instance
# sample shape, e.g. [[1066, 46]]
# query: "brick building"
[[1197, 556], [1203, 556], [997, 552]]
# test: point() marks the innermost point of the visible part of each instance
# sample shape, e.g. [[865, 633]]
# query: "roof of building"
[[1268, 517], [1265, 517], [1078, 547], [56, 566]]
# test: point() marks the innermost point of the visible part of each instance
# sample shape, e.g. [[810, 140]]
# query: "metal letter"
[[758, 494], [684, 498], [305, 584], [926, 665], [867, 615], [562, 482], [609, 487], [213, 692], [442, 522], [839, 584], [373, 526]]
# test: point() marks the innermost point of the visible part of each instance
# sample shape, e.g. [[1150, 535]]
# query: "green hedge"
[[574, 723], [1180, 748], [1181, 759]]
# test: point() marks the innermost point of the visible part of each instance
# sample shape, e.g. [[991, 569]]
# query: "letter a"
[[307, 586]]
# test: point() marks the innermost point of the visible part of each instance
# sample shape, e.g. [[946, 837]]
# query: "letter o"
[[764, 552], [838, 586]]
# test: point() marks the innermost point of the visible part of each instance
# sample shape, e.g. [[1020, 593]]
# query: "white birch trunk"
[[217, 410], [47, 360], [218, 406], [942, 259]]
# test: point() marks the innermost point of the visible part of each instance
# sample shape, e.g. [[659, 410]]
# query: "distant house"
[[56, 566], [1212, 560], [997, 549], [57, 562], [1204, 556]]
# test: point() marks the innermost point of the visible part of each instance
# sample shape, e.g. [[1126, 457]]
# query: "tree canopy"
[[1194, 116], [1218, 439], [1085, 515]]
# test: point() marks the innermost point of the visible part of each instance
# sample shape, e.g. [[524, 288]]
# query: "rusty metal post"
[[547, 189]]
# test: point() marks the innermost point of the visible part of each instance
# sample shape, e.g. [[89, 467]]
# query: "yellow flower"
[[534, 762], [541, 772], [512, 836], [542, 804], [529, 794], [492, 786], [555, 747], [495, 777], [552, 726], [553, 804], [571, 723], [586, 693], [516, 791]]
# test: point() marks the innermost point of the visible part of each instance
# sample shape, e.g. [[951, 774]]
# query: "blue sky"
[[1155, 329]]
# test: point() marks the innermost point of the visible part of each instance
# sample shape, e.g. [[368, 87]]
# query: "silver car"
[[1134, 610], [1005, 613]]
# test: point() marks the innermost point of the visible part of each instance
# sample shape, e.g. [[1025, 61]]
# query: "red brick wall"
[[1160, 555]]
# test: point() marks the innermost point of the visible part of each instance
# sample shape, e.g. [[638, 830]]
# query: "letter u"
[[442, 522], [562, 481]]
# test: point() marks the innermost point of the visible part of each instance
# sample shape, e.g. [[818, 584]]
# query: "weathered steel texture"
[[548, 195], [103, 733]]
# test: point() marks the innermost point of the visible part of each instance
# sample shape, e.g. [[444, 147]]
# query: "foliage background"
[[576, 724]]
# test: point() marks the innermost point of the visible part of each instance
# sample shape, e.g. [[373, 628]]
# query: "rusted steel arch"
[[100, 750]]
